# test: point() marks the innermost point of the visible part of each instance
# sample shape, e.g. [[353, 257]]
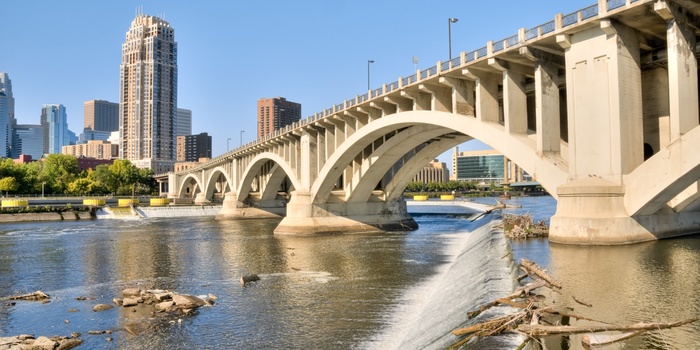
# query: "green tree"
[[58, 171], [8, 184], [81, 186]]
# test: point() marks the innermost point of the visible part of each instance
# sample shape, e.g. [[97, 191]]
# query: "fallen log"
[[542, 330], [534, 270]]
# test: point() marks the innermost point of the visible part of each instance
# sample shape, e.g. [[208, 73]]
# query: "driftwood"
[[589, 340], [580, 301], [535, 319], [533, 269], [542, 330]]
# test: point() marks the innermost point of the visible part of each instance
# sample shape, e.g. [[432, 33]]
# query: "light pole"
[[368, 63], [242, 131], [227, 140], [449, 33], [42, 189]]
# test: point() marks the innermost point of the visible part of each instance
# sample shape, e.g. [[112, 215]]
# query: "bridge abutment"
[[306, 217]]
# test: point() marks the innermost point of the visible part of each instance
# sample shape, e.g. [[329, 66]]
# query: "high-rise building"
[[184, 122], [28, 140], [192, 147], [148, 94], [99, 115], [276, 113], [7, 115], [55, 124]]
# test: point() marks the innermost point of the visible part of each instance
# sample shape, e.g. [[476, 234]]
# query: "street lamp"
[[368, 63], [227, 140], [449, 33], [242, 131], [42, 189]]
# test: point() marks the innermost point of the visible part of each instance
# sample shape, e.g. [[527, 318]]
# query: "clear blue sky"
[[231, 53]]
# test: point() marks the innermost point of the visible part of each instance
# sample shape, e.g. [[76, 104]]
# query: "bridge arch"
[[279, 172], [214, 176], [520, 148], [190, 187]]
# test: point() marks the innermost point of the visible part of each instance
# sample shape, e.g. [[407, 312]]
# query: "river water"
[[361, 291]]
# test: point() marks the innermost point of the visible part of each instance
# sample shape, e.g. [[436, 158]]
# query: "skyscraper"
[[55, 123], [7, 114], [99, 115], [184, 122], [148, 94], [276, 113], [192, 147], [27, 139]]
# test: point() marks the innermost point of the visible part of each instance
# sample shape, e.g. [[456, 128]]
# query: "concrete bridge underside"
[[600, 108]]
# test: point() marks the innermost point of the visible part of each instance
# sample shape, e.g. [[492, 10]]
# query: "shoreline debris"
[[537, 320], [523, 226]]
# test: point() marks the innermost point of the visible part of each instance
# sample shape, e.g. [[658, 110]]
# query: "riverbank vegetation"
[[58, 174]]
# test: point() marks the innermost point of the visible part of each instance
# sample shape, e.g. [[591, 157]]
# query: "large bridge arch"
[[549, 172], [190, 186], [279, 172], [214, 175]]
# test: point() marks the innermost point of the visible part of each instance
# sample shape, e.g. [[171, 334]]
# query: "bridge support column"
[[201, 199], [604, 97], [232, 208], [306, 217]]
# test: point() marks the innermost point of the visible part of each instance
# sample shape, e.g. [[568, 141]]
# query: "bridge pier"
[[306, 217], [201, 199], [232, 208]]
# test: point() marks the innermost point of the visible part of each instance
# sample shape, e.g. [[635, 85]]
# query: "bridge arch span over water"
[[600, 106]]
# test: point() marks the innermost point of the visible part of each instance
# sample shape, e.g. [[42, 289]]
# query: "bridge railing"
[[559, 24]]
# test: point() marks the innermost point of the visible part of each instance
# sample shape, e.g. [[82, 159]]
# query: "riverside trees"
[[59, 174]]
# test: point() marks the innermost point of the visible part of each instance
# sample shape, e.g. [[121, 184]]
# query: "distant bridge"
[[600, 106]]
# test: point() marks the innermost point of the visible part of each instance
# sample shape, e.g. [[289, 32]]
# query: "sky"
[[232, 53]]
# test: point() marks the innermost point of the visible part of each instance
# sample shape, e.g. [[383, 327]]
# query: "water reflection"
[[647, 282]]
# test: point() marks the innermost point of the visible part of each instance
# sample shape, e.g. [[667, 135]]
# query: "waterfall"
[[482, 270]]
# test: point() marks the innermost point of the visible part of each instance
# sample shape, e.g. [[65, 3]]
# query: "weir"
[[484, 263]]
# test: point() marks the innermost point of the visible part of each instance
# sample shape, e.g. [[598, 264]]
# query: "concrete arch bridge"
[[600, 106]]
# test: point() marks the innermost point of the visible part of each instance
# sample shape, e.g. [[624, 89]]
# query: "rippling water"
[[323, 292]]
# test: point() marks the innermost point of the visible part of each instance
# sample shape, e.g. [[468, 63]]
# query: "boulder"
[[130, 302], [44, 343], [163, 296], [164, 305], [131, 292], [101, 307], [66, 344], [249, 278], [184, 301]]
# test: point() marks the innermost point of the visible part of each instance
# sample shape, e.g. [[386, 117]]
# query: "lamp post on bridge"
[[242, 131], [227, 140], [449, 33], [368, 63]]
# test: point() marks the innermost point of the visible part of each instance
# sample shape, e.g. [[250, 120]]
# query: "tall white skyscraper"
[[148, 94], [7, 115], [184, 122]]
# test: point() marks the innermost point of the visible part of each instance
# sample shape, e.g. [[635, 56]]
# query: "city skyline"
[[232, 54]]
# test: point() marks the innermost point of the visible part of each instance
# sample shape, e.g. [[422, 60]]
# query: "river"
[[359, 291]]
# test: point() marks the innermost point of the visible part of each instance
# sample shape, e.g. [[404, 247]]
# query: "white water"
[[127, 213], [482, 270]]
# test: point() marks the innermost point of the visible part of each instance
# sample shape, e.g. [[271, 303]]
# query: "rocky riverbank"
[[143, 310]]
